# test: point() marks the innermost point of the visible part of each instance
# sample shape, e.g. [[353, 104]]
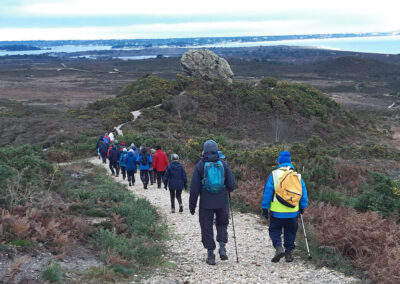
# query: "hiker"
[[122, 163], [135, 149], [106, 139], [117, 145], [160, 164], [151, 169], [98, 144], [213, 180], [103, 151], [114, 159], [111, 136], [130, 165], [284, 206], [144, 160], [175, 179]]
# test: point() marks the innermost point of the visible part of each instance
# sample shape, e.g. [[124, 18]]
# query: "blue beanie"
[[284, 157]]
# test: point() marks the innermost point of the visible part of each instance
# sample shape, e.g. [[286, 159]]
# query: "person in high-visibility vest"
[[282, 216]]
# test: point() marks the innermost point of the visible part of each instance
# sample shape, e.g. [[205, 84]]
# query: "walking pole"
[[233, 226], [305, 237]]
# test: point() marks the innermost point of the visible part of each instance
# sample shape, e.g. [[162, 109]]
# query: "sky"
[[132, 19]]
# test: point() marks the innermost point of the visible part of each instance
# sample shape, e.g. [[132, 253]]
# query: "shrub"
[[52, 272]]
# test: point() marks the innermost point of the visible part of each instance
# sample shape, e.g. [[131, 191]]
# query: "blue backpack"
[[214, 177]]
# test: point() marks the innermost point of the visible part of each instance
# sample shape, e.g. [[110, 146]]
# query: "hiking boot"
[[210, 257], [117, 175], [222, 251], [180, 208], [279, 253], [130, 184], [172, 210], [159, 186], [288, 256], [145, 186]]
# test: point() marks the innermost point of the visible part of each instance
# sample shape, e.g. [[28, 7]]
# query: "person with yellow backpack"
[[285, 195]]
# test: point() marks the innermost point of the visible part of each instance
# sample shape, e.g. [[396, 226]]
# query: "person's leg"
[[179, 198], [172, 195], [160, 176], [221, 223], [104, 158], [207, 233], [275, 232], [123, 172], [151, 175], [111, 168], [116, 165], [129, 174], [289, 236]]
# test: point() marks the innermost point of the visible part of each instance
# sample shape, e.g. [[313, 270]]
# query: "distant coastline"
[[383, 43]]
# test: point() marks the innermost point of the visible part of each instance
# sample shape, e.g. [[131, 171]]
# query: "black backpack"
[[143, 160]]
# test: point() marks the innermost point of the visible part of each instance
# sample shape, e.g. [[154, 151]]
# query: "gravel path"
[[186, 252]]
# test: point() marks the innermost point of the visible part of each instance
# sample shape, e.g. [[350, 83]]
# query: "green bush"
[[382, 194], [52, 272]]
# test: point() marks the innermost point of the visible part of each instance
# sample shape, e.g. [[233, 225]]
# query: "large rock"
[[207, 65]]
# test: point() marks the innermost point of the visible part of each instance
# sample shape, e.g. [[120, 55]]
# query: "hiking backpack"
[[289, 188], [143, 160], [214, 177]]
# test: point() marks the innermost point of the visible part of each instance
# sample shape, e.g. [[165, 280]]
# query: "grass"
[[134, 239], [52, 272]]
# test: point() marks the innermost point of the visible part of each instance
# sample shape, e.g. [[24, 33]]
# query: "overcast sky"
[[129, 19]]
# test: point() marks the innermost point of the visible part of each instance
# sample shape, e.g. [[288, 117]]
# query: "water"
[[378, 44]]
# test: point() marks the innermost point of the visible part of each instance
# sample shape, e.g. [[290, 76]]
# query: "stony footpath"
[[187, 255]]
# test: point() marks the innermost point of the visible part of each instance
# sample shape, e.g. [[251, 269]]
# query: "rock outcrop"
[[207, 65]]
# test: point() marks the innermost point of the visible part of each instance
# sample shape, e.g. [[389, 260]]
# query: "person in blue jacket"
[[175, 179], [281, 216], [130, 165], [212, 203], [144, 160], [122, 164], [98, 144]]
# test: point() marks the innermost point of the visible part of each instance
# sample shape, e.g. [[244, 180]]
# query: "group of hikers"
[[284, 195]]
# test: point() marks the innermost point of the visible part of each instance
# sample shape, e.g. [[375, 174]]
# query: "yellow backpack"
[[289, 189]]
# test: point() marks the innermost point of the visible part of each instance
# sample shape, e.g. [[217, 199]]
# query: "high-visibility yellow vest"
[[276, 206]]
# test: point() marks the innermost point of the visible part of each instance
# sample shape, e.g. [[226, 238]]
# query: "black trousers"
[[160, 177], [131, 176], [104, 158], [151, 175], [206, 217], [144, 176], [123, 172], [175, 193], [114, 166]]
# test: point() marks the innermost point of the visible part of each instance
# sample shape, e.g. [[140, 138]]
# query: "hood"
[[125, 152], [210, 151], [175, 164], [130, 154]]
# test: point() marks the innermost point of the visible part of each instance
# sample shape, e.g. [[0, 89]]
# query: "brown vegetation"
[[372, 243]]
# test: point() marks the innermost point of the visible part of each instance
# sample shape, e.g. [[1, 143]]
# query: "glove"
[[301, 211], [192, 211], [265, 213]]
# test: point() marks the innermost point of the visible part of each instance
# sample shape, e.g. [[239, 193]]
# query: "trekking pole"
[[305, 237], [233, 227]]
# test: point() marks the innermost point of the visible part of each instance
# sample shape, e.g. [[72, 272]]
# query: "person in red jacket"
[[160, 163]]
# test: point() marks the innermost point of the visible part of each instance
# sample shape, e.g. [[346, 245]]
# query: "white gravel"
[[187, 255]]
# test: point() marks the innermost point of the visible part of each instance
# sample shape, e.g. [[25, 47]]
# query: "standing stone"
[[206, 64]]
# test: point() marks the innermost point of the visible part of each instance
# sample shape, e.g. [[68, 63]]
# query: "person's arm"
[[304, 197], [150, 159], [229, 178], [166, 159], [184, 178], [155, 161], [268, 193], [195, 187], [138, 159], [166, 178]]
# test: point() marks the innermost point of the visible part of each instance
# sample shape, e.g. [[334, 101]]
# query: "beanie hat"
[[284, 157], [124, 150], [158, 147], [210, 146], [132, 145], [174, 157]]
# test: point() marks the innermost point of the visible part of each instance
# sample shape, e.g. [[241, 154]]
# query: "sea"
[[375, 44]]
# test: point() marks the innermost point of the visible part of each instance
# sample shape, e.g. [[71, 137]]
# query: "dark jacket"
[[175, 176], [103, 149], [208, 200], [114, 155], [130, 161], [99, 141]]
